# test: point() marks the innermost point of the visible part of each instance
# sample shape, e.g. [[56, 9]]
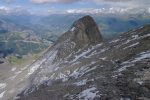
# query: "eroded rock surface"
[[80, 66]]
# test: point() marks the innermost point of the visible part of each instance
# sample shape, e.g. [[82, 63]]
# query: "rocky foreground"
[[82, 66]]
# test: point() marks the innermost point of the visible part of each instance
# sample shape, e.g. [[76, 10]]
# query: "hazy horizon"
[[45, 7]]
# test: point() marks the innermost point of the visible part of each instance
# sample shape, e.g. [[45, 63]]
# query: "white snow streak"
[[143, 55], [88, 94], [13, 69], [2, 94], [82, 82], [72, 29], [2, 85], [132, 45]]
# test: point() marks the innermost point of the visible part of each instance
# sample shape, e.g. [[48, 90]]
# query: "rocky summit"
[[81, 66], [82, 33]]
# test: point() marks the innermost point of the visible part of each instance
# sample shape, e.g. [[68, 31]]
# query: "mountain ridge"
[[83, 32], [95, 70], [107, 70]]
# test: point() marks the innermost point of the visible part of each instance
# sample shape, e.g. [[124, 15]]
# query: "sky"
[[74, 6]]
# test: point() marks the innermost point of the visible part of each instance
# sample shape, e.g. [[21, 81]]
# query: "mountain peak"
[[82, 33], [87, 20], [87, 30]]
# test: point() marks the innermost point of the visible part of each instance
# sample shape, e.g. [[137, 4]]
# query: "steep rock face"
[[88, 27], [112, 70], [82, 33], [83, 30]]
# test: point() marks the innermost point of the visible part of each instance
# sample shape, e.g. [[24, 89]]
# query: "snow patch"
[[140, 82], [88, 94], [73, 44], [79, 72], [35, 67], [85, 52], [132, 45], [13, 69], [2, 94], [82, 82], [95, 52], [90, 69], [143, 55], [75, 73], [46, 60], [42, 79], [2, 85], [114, 41], [76, 63], [13, 77], [93, 62], [104, 58], [72, 29], [125, 98], [124, 67], [81, 55], [18, 72], [62, 76], [139, 57], [103, 50], [56, 68], [17, 97], [135, 36], [147, 35], [130, 63]]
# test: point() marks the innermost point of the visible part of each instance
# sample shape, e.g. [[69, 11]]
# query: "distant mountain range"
[[102, 10], [18, 41], [52, 26], [30, 31]]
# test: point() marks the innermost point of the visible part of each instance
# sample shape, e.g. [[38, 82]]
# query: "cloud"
[[4, 9], [13, 10], [123, 3], [114, 3], [101, 6], [70, 1], [111, 10], [113, 0], [52, 1], [148, 10]]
